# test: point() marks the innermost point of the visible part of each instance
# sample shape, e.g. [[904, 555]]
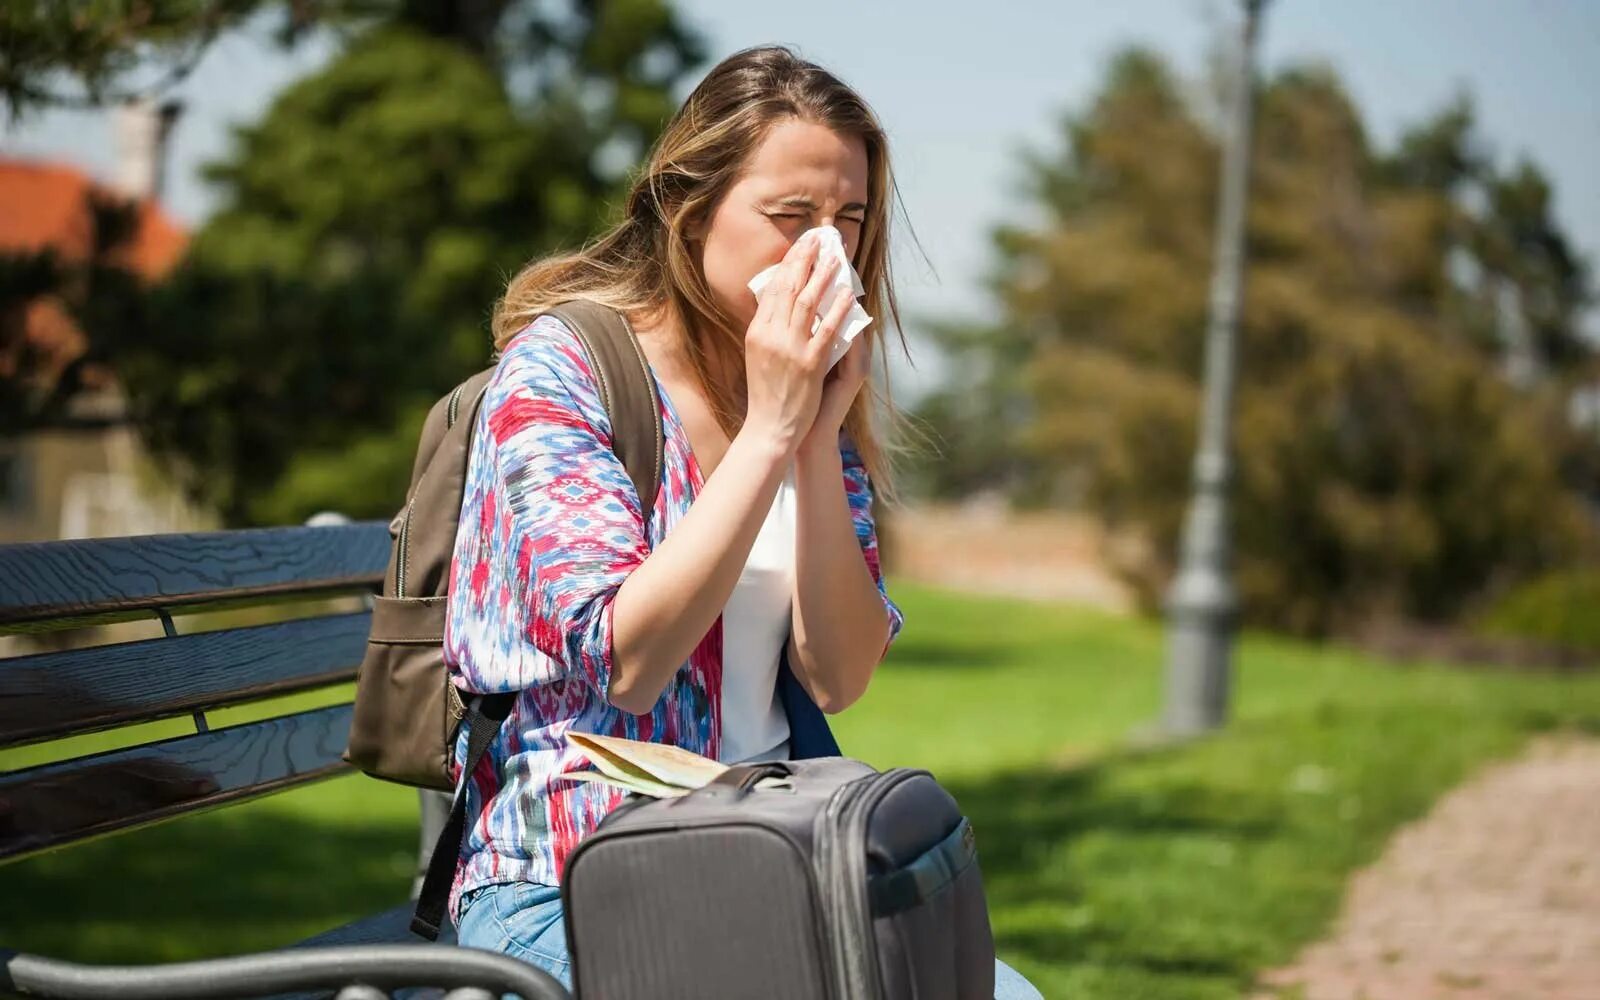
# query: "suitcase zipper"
[[842, 872]]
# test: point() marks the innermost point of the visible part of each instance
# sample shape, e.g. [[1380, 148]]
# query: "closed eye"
[[795, 215]]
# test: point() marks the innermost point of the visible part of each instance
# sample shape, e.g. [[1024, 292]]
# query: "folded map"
[[658, 770]]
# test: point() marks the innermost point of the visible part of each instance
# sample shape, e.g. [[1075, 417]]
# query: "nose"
[[845, 236]]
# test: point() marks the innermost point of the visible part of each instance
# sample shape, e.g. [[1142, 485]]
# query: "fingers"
[[807, 304], [795, 297], [822, 344], [791, 277], [766, 306]]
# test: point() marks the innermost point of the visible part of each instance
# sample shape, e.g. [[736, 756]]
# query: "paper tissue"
[[830, 243]]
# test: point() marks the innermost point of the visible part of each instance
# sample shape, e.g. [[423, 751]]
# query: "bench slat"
[[51, 695], [54, 804], [51, 585]]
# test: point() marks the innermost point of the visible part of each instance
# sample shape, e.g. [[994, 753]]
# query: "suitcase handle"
[[743, 777]]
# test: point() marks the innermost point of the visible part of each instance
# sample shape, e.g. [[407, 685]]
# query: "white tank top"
[[755, 628]]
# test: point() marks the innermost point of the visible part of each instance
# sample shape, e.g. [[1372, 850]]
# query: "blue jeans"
[[523, 920]]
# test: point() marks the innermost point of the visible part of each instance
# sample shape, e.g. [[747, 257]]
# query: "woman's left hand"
[[839, 390]]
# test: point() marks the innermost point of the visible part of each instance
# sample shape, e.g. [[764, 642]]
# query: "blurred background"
[[245, 244]]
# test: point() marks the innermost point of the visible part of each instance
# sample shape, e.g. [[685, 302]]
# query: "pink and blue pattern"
[[550, 527]]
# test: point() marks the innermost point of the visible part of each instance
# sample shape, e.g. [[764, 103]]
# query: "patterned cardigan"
[[550, 527]]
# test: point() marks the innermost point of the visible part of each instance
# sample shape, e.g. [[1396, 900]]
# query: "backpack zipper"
[[400, 568], [453, 407], [451, 412]]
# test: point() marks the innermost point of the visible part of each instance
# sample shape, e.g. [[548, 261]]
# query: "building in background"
[[86, 475]]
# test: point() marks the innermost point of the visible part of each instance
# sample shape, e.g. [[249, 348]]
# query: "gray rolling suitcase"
[[852, 884]]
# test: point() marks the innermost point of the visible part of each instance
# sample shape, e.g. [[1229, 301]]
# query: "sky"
[[962, 87]]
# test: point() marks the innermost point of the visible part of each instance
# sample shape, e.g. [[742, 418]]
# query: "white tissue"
[[831, 243]]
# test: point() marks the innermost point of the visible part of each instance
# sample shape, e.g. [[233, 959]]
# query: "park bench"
[[52, 587]]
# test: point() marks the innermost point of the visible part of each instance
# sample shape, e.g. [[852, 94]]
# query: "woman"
[[667, 619]]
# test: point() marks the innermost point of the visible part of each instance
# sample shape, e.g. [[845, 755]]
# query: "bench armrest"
[[384, 966]]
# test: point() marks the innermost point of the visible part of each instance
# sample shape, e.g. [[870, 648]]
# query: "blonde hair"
[[644, 263]]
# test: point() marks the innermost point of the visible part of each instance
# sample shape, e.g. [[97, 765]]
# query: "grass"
[[1112, 871]]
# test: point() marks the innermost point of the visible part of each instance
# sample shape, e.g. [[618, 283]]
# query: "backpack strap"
[[629, 394], [484, 717], [626, 388]]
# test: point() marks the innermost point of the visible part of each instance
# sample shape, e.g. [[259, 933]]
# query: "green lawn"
[[1112, 871]]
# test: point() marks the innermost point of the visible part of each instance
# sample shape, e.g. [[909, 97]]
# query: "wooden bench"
[[50, 587]]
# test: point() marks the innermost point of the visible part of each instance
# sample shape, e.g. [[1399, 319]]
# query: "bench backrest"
[[51, 586]]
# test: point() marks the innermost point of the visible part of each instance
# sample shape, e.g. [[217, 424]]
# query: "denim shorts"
[[520, 919], [524, 920]]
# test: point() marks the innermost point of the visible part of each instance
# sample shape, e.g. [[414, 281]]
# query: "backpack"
[[407, 712]]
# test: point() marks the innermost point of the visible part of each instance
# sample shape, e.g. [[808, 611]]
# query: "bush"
[[1559, 608]]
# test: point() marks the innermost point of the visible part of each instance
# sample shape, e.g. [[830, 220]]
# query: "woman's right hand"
[[784, 364]]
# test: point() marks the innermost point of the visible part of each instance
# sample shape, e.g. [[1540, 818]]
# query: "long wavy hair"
[[645, 265]]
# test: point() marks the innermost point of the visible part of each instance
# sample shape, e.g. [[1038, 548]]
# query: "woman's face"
[[802, 176]]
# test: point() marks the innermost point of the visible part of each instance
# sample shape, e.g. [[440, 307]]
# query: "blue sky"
[[962, 87]]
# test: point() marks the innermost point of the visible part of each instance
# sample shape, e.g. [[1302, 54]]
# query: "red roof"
[[46, 205]]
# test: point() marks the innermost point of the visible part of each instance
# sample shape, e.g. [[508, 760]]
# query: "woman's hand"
[[784, 364], [839, 390]]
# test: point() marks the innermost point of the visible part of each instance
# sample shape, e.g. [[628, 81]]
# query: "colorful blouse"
[[550, 527]]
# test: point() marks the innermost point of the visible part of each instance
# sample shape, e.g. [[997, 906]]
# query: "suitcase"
[[849, 884]]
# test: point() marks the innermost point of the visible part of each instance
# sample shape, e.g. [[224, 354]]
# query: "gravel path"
[[1495, 895]]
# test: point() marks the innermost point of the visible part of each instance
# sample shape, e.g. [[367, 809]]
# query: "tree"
[[367, 224], [1385, 465], [81, 55], [1524, 288]]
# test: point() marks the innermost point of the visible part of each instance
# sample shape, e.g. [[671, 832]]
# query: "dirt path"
[[1495, 895]]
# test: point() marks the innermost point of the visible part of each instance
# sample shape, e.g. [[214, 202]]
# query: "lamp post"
[[1202, 606]]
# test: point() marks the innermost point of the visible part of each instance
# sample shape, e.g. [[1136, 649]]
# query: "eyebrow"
[[800, 201]]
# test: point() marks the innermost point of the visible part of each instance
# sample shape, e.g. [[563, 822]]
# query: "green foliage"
[[1561, 608], [367, 224], [1111, 873], [1409, 339], [80, 54]]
